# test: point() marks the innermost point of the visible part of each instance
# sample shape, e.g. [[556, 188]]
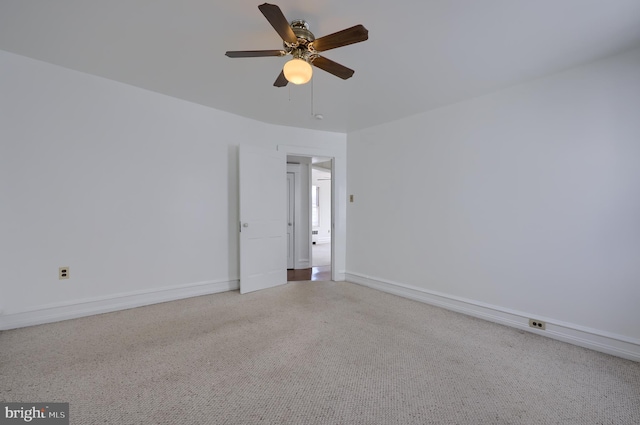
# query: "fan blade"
[[341, 38], [279, 23], [281, 81], [333, 67], [255, 53]]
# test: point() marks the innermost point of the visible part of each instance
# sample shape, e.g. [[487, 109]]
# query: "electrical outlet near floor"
[[63, 273], [538, 324]]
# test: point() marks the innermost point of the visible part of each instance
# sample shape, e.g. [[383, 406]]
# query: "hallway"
[[321, 269]]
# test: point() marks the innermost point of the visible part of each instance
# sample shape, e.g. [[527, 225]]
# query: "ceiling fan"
[[300, 43]]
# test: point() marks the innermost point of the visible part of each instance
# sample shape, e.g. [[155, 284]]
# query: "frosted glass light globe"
[[297, 71]]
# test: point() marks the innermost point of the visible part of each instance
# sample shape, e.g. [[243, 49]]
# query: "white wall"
[[135, 191], [525, 202]]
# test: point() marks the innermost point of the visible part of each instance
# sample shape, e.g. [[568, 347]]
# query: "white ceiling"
[[420, 54]]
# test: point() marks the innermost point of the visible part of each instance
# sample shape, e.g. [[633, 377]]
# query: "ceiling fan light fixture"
[[300, 43], [297, 71]]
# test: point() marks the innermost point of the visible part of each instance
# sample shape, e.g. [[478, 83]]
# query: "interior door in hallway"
[[290, 223], [263, 226]]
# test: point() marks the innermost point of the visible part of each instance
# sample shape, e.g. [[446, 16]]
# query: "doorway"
[[310, 204]]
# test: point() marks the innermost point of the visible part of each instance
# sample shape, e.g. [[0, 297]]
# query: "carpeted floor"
[[311, 353]]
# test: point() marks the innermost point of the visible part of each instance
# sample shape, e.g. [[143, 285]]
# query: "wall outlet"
[[63, 273], [538, 324]]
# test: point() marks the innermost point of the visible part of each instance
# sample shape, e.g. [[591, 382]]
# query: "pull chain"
[[312, 97]]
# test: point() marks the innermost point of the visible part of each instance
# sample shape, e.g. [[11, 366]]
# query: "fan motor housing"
[[300, 28]]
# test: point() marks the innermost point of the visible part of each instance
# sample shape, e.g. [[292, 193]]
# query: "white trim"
[[88, 307], [582, 336], [308, 151]]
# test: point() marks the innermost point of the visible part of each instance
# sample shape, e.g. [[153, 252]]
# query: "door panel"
[[263, 225]]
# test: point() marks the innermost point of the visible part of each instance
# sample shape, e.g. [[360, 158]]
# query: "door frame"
[[338, 203], [331, 225]]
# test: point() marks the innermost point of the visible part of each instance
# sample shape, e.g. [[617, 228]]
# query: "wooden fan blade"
[[333, 67], [341, 38], [281, 81], [255, 53], [279, 23]]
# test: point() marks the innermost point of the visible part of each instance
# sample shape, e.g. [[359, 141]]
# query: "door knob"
[[290, 224], [245, 224]]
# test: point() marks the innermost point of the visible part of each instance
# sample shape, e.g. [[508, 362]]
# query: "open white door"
[[263, 225]]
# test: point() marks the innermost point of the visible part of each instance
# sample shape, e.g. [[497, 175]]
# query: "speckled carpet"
[[311, 353]]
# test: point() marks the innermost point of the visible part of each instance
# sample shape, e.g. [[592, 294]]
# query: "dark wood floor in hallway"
[[313, 274]]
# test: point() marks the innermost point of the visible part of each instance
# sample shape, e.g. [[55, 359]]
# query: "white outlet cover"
[[60, 271]]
